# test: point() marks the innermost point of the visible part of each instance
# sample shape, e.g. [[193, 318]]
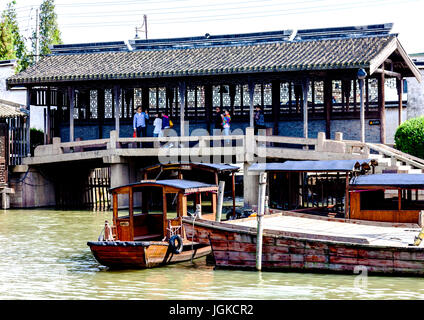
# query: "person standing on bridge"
[[140, 122]]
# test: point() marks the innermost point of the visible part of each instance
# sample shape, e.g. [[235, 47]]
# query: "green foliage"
[[6, 42], [409, 137], [11, 39], [36, 137], [49, 33]]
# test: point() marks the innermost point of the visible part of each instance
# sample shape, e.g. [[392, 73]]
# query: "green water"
[[43, 255]]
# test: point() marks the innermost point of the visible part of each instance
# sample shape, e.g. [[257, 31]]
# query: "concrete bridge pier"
[[119, 175], [250, 187]]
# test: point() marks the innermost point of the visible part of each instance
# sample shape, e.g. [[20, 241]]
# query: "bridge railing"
[[247, 144]]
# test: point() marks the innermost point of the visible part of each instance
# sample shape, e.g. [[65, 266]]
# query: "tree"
[[6, 42], [49, 29], [12, 39], [409, 137]]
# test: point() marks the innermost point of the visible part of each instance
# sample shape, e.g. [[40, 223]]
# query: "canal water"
[[44, 255]]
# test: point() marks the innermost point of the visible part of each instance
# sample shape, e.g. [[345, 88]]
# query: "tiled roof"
[[238, 59], [10, 109]]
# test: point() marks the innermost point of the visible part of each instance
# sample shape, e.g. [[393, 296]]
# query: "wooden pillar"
[[305, 89], [275, 96], [131, 212], [232, 91], [71, 95], [116, 96], [182, 93], [28, 121], [164, 217], [48, 106], [251, 86], [399, 85], [328, 104], [382, 108], [208, 106], [233, 192], [347, 215], [100, 111]]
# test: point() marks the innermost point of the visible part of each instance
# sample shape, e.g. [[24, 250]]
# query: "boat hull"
[[235, 247], [139, 255]]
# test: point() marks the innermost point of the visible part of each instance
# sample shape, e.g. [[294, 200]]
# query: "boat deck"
[[374, 234]]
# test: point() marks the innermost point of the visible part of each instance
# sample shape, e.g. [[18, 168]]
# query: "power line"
[[353, 5]]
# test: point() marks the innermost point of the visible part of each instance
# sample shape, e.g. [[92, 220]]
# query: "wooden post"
[[100, 111], [251, 85], [28, 122], [275, 93], [208, 106], [347, 214], [305, 89], [362, 109], [164, 217], [71, 94], [220, 200], [182, 92], [382, 107], [48, 104], [399, 85], [116, 94], [131, 212], [260, 214], [328, 103], [233, 191]]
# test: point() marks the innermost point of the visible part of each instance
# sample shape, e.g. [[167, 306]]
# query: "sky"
[[111, 20]]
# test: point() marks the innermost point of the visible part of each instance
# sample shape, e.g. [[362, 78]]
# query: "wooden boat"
[[378, 225], [155, 236], [304, 243]]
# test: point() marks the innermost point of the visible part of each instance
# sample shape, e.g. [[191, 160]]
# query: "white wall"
[[18, 95]]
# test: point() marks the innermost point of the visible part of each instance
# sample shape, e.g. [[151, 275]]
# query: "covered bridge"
[[306, 82]]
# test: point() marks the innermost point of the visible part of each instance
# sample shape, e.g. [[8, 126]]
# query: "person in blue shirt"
[[140, 122], [259, 119]]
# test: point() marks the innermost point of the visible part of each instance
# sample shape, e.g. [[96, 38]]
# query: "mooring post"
[[260, 214], [220, 200]]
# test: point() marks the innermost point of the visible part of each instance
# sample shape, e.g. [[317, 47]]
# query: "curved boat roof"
[[311, 165], [219, 167], [187, 186], [397, 180]]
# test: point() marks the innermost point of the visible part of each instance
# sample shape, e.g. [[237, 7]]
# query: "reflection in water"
[[44, 255]]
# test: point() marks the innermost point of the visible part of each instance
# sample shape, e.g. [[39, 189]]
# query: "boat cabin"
[[205, 172], [317, 187], [163, 204], [387, 197]]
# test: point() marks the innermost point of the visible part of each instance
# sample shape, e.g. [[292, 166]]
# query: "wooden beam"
[[388, 73]]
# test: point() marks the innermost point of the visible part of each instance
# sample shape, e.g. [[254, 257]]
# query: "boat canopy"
[[311, 165], [396, 180], [186, 186], [217, 167]]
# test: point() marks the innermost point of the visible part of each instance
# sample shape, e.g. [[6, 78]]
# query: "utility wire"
[[353, 5]]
